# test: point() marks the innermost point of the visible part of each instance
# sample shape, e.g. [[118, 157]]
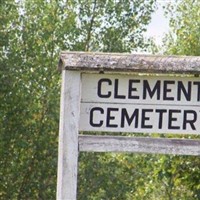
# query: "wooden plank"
[[137, 118], [131, 89], [139, 145], [129, 62], [68, 136]]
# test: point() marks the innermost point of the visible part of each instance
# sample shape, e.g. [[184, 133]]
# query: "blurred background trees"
[[184, 37], [32, 34]]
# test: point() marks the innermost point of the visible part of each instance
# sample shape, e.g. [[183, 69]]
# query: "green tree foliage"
[[32, 33], [115, 176], [184, 38], [29, 114], [114, 26]]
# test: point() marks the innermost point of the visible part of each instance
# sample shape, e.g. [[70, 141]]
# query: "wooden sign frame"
[[72, 64]]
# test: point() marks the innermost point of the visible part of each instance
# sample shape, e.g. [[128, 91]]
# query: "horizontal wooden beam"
[[129, 62], [139, 144]]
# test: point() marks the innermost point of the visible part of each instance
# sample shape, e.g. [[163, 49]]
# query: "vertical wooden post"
[[68, 136]]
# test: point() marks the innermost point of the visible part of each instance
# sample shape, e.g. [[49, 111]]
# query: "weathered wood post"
[[125, 93], [68, 135]]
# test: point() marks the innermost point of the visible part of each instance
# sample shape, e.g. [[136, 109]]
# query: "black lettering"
[[110, 117], [182, 89], [166, 90], [99, 88], [189, 121], [116, 95], [172, 119], [145, 118], [97, 124], [129, 120], [132, 89], [152, 92], [160, 118], [198, 89]]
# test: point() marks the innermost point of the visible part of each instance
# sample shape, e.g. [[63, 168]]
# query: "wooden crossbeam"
[[96, 143]]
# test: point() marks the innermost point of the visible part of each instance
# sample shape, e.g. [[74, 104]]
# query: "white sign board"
[[124, 102], [134, 103]]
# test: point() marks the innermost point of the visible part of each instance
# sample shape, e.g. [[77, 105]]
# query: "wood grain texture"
[[68, 136], [139, 145], [129, 62]]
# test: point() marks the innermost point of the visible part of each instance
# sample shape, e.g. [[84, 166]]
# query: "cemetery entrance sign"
[[133, 103], [125, 93]]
